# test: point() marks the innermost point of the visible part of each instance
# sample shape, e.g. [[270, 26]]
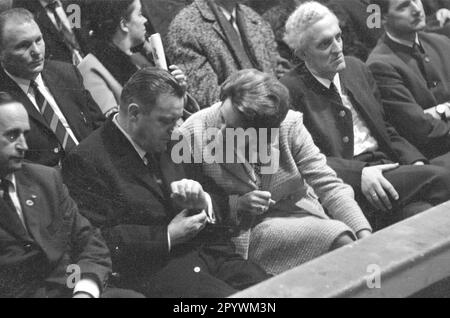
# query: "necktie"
[[334, 91], [66, 33], [53, 121], [4, 186]]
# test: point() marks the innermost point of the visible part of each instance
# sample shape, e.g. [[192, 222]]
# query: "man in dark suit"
[[338, 98], [160, 230], [65, 42], [62, 112], [412, 69], [43, 238]]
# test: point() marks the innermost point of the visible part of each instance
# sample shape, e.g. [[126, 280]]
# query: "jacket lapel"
[[32, 208], [211, 13], [64, 102], [127, 160], [14, 89], [250, 30], [358, 100], [9, 220]]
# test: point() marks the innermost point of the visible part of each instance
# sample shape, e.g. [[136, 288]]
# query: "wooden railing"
[[400, 261]]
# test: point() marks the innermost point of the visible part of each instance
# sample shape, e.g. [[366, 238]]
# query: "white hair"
[[299, 22]]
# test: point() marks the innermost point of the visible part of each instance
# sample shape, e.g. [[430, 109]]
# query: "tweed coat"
[[297, 228], [198, 45]]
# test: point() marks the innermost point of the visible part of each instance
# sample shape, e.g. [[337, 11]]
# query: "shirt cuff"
[[168, 240], [87, 286]]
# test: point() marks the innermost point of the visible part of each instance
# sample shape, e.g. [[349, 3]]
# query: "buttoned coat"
[[406, 93]]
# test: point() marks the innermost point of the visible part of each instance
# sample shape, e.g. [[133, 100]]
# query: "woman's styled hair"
[[258, 96], [106, 16]]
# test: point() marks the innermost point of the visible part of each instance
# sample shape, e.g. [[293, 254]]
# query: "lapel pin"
[[34, 196]]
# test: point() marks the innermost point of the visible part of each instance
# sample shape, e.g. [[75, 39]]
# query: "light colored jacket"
[[104, 88], [302, 173]]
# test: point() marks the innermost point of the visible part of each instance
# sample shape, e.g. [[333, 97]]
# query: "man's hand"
[[376, 187], [256, 202], [184, 227], [179, 75], [443, 16], [432, 111], [283, 67], [188, 194]]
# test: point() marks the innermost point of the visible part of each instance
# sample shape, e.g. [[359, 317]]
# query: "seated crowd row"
[[351, 147]]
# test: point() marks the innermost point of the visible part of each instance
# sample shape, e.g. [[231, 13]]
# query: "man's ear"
[[133, 111], [123, 26]]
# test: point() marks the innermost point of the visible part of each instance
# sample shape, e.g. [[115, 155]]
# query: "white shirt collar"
[[45, 3], [11, 178], [141, 152], [404, 42], [227, 13], [326, 82], [23, 83]]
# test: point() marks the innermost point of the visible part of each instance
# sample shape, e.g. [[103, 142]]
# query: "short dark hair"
[[106, 16], [19, 14], [146, 85], [258, 96], [382, 4], [6, 98]]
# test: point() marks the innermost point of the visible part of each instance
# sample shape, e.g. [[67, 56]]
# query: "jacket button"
[[434, 84], [427, 59], [56, 150], [342, 113], [28, 247], [346, 140], [115, 275]]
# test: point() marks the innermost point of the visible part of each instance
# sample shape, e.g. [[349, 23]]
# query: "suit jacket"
[[118, 193], [331, 124], [57, 237], [406, 94], [56, 49], [80, 110], [299, 170], [197, 43]]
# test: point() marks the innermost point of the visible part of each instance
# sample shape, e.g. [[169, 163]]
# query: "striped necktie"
[[53, 121]]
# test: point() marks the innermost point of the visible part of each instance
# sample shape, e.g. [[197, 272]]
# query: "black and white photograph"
[[224, 155]]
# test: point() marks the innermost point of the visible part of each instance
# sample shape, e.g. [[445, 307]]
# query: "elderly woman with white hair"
[[272, 181]]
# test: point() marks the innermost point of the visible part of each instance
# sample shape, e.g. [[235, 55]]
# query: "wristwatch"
[[441, 110]]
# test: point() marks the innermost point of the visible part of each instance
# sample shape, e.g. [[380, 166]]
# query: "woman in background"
[[118, 32]]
